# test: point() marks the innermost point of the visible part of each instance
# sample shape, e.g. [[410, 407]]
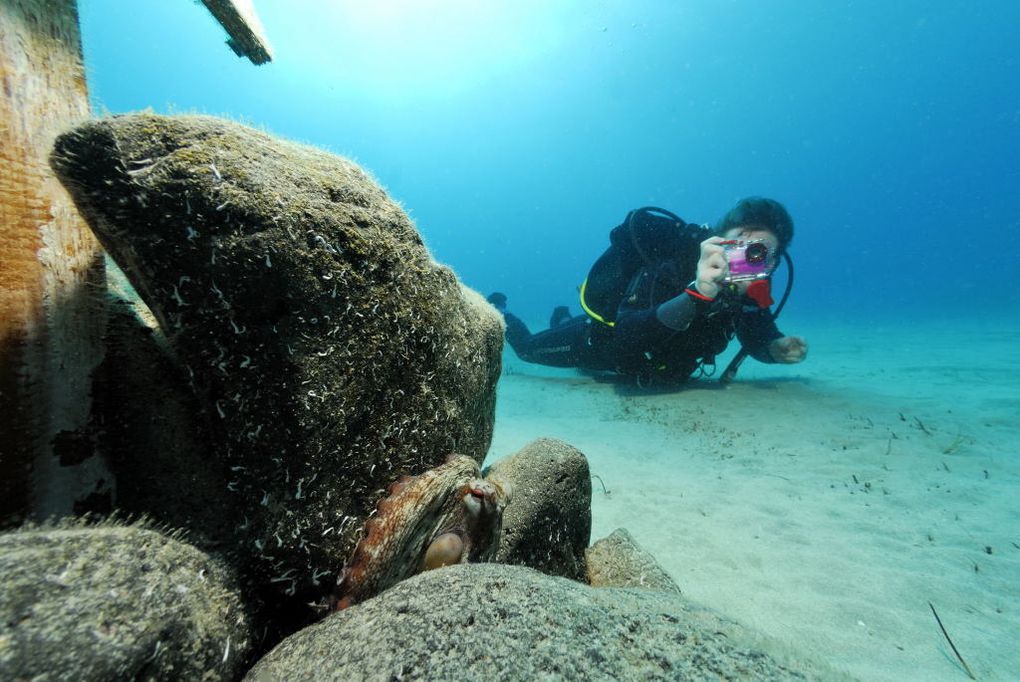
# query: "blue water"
[[517, 133]]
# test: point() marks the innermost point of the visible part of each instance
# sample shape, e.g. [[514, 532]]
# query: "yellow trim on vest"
[[591, 313]]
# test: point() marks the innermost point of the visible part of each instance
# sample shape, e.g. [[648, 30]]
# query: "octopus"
[[447, 515]]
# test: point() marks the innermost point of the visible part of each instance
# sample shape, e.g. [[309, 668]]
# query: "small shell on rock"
[[449, 510]]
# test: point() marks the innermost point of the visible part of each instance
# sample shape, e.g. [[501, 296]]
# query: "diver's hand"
[[712, 267], [788, 350]]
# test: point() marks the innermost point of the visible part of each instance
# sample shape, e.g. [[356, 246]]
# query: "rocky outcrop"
[[329, 352], [490, 621], [117, 602], [548, 526]]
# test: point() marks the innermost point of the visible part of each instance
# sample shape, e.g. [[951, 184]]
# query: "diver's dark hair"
[[768, 213]]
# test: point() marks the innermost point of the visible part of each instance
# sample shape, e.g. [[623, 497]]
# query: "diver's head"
[[757, 215]]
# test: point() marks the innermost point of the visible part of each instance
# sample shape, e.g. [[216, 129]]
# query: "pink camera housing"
[[748, 260]]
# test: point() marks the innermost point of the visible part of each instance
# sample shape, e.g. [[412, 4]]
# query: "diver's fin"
[[560, 314]]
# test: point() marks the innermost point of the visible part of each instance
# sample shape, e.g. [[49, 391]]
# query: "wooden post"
[[51, 275], [238, 19]]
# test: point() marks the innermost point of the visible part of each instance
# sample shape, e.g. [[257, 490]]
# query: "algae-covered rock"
[[152, 431], [116, 603], [331, 353], [548, 526], [618, 561], [498, 622]]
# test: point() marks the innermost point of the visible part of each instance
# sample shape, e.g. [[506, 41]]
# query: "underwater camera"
[[748, 260]]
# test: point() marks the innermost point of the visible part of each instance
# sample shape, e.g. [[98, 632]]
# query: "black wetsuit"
[[638, 344]]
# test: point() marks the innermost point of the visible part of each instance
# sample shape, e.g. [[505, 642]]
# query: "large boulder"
[[548, 526], [117, 603], [490, 621], [331, 354]]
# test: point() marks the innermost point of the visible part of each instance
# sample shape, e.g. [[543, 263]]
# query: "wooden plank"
[[242, 24], [51, 319]]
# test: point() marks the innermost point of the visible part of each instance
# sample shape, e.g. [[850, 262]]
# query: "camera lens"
[[756, 253]]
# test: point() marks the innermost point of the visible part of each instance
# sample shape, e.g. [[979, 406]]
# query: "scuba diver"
[[668, 296]]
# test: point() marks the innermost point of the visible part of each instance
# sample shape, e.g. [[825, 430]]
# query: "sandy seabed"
[[824, 504]]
